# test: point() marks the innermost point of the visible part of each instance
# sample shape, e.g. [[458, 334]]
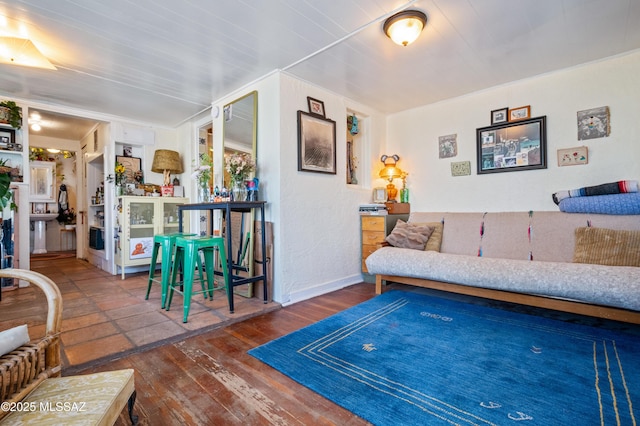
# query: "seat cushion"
[[91, 399]]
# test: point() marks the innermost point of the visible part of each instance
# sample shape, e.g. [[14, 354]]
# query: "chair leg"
[[132, 400], [167, 257], [178, 255], [152, 270], [189, 263], [225, 276], [209, 268]]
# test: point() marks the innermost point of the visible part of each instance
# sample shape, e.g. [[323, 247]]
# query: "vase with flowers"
[[202, 174], [239, 166], [119, 172]]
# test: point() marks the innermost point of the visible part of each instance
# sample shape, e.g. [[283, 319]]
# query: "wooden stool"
[[188, 249], [164, 243]]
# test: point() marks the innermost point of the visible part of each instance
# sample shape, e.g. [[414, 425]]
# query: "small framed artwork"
[[520, 113], [127, 151], [573, 156], [448, 146], [461, 168], [380, 195], [594, 123], [7, 138], [132, 167], [510, 147], [499, 115], [316, 144], [316, 107]]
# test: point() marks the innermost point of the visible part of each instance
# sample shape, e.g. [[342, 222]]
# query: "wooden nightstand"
[[373, 230]]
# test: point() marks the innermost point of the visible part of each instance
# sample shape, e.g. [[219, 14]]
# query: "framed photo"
[[7, 138], [132, 165], [573, 156], [500, 115], [380, 195], [520, 113], [448, 146], [316, 144], [127, 151], [594, 123], [511, 147], [316, 107]]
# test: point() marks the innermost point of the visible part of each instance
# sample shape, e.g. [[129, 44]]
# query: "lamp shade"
[[390, 173], [166, 160], [405, 27], [22, 51]]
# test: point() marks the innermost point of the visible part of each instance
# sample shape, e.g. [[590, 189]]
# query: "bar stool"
[[188, 249], [164, 243]]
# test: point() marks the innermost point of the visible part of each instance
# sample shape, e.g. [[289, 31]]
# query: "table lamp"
[[390, 172], [166, 162]]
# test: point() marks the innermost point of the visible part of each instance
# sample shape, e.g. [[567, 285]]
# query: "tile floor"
[[105, 317]]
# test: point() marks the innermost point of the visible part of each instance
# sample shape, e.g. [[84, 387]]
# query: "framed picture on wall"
[[316, 107], [132, 165], [499, 115], [316, 144], [511, 147]]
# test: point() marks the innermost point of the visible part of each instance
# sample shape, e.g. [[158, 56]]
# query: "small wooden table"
[[227, 207]]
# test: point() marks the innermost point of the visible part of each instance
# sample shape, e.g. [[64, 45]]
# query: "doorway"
[[58, 138]]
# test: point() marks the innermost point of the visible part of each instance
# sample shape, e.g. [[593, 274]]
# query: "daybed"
[[526, 258], [31, 389]]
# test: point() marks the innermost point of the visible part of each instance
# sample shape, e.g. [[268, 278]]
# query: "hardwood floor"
[[210, 379]]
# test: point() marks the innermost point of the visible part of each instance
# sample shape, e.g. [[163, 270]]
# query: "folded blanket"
[[620, 187]]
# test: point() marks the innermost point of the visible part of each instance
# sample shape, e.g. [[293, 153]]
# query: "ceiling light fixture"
[[22, 51], [405, 27]]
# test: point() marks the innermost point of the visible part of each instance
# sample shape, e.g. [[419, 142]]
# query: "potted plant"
[[11, 114], [6, 197]]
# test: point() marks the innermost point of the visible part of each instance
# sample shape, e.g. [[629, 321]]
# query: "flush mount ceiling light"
[[405, 27], [22, 51]]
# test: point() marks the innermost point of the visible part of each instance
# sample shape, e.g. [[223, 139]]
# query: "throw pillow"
[[435, 240], [607, 247], [407, 235], [13, 338]]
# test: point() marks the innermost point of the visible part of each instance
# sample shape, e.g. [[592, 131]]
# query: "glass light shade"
[[390, 173], [405, 27], [22, 51]]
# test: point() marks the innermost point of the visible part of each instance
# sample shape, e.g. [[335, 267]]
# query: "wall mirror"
[[42, 175], [240, 134], [240, 128]]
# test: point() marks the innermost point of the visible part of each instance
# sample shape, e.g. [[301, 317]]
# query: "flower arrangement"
[[202, 171], [239, 165], [119, 172], [67, 217]]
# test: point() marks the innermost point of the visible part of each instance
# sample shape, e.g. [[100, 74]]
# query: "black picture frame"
[[316, 143], [7, 139], [512, 146], [131, 165], [500, 115], [316, 107]]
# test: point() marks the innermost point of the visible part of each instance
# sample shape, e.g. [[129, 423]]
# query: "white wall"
[[413, 135]]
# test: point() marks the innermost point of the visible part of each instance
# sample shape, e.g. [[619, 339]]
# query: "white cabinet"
[[138, 220]]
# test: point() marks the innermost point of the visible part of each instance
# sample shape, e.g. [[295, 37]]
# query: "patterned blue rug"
[[409, 359]]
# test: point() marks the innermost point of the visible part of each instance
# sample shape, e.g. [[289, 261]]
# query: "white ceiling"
[[163, 61]]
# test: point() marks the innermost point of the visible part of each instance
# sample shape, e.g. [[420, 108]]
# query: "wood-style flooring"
[[210, 379]]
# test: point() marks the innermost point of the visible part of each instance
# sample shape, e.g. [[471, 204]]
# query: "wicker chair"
[[31, 389]]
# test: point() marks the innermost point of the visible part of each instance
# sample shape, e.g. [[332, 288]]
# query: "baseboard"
[[308, 293]]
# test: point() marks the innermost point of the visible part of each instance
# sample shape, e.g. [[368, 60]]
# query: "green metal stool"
[[164, 243], [187, 249]]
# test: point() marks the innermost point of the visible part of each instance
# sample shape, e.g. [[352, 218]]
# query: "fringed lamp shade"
[[166, 162]]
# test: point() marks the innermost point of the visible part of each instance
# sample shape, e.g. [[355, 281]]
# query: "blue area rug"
[[410, 359]]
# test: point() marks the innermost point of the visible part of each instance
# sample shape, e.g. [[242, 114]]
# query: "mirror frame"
[[36, 180], [227, 111]]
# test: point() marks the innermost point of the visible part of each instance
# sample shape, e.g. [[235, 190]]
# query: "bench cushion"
[[92, 399]]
